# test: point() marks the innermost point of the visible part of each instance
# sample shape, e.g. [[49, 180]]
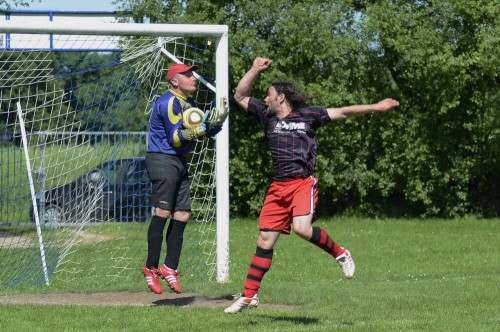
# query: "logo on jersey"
[[283, 127]]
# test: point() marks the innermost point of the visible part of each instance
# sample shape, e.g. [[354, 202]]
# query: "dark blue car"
[[116, 190]]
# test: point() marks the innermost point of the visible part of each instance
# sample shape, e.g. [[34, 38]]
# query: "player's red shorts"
[[288, 199]]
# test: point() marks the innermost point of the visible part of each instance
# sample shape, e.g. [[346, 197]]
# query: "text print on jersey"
[[283, 126]]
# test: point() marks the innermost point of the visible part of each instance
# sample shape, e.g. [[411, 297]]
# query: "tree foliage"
[[437, 155], [7, 4]]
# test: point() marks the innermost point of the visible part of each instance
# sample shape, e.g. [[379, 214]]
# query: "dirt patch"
[[116, 298], [8, 240], [145, 298], [91, 237], [15, 241]]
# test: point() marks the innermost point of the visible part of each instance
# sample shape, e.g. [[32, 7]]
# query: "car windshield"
[[115, 171], [137, 172], [125, 171]]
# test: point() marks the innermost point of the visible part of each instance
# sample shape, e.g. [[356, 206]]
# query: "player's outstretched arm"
[[244, 87], [354, 110]]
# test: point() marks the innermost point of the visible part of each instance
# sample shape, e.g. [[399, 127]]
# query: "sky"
[[98, 5]]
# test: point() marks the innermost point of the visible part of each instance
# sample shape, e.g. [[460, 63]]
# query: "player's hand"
[[202, 128], [387, 104], [218, 116], [223, 112], [261, 64]]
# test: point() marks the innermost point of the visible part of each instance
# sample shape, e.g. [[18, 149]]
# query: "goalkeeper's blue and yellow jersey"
[[165, 125]]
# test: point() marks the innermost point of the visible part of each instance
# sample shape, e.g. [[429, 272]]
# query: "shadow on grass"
[[294, 320], [198, 301], [193, 300]]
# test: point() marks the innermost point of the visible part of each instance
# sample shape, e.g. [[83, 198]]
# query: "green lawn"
[[411, 275]]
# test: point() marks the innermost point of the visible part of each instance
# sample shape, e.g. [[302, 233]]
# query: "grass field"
[[411, 275]]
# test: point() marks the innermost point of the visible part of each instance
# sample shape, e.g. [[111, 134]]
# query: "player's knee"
[[304, 231], [162, 213], [181, 215], [267, 245], [266, 240]]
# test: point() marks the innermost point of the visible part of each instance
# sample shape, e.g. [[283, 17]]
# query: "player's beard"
[[269, 102], [267, 109], [270, 111]]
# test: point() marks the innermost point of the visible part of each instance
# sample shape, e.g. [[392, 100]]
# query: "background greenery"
[[435, 156], [411, 275]]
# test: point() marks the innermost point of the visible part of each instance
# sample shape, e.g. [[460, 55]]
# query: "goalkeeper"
[[168, 142], [290, 128]]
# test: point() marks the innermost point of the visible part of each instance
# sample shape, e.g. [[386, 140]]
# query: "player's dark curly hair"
[[292, 93]]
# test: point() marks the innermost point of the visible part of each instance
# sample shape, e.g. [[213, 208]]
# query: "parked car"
[[115, 190]]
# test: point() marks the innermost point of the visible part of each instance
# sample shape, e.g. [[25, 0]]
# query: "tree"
[[435, 156], [439, 55], [7, 4]]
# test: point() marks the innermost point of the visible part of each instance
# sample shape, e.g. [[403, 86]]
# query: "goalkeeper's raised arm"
[[244, 87]]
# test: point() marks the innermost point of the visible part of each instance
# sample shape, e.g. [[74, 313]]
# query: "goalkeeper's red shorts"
[[288, 199]]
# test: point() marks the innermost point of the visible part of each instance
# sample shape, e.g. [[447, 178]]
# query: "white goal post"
[[217, 34]]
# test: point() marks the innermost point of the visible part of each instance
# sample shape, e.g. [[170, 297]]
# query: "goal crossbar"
[[115, 29]]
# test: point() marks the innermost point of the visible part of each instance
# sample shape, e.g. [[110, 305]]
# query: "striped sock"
[[321, 239], [261, 262]]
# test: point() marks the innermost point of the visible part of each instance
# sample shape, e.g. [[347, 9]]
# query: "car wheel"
[[53, 216]]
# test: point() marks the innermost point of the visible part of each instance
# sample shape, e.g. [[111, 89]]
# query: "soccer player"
[[168, 142], [290, 128]]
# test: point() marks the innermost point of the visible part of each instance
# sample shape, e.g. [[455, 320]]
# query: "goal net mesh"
[[74, 118]]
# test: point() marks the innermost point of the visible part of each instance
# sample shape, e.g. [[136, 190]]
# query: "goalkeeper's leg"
[[174, 239], [155, 239], [175, 236]]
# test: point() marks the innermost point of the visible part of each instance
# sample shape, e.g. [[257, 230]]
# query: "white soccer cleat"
[[242, 303], [347, 264]]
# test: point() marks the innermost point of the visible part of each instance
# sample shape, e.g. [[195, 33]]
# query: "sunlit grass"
[[428, 275]]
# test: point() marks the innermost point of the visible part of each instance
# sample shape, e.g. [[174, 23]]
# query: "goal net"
[[74, 110]]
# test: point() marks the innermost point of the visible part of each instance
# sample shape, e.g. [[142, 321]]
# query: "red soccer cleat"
[[170, 277], [153, 278]]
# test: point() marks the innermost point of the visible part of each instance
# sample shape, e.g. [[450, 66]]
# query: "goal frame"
[[220, 34]]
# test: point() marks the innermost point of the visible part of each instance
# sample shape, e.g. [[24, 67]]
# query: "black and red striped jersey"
[[292, 140]]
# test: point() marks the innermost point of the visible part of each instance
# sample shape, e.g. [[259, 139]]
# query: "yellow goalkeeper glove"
[[195, 133], [218, 116]]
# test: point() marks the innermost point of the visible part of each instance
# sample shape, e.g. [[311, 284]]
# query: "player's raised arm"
[[354, 110], [244, 87]]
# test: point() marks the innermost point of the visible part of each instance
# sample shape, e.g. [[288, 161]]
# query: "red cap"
[[179, 68]]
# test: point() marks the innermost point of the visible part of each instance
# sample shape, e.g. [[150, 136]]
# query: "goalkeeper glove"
[[195, 133], [218, 116]]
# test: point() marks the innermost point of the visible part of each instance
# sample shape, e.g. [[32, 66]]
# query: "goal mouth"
[[75, 102]]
